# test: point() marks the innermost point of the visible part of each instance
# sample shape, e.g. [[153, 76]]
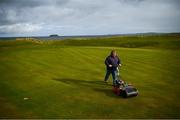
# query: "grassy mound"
[[160, 42]]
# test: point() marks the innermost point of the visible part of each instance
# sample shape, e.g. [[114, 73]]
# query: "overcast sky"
[[87, 17]]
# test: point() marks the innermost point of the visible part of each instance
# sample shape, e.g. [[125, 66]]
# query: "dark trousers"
[[114, 75]]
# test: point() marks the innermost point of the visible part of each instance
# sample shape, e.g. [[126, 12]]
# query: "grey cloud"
[[89, 16], [31, 3], [14, 11]]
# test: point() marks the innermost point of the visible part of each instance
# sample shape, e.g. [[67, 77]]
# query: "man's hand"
[[110, 65], [120, 65]]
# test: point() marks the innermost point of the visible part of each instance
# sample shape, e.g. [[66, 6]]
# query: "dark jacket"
[[114, 61]]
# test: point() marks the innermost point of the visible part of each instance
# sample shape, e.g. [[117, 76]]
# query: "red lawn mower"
[[124, 89]]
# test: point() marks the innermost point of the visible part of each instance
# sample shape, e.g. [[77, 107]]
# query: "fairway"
[[67, 82]]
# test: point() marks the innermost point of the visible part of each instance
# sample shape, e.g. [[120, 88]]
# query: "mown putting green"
[[67, 82]]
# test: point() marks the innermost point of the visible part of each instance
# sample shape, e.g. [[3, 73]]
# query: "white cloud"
[[20, 28]]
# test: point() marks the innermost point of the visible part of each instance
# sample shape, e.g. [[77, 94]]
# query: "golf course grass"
[[64, 79]]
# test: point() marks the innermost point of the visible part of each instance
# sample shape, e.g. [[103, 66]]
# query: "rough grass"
[[158, 42], [66, 81]]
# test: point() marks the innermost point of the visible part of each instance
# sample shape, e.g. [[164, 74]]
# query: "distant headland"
[[54, 35]]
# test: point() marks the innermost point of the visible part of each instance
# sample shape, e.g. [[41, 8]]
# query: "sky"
[[87, 17]]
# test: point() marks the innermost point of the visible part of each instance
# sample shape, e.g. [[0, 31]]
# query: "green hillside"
[[64, 79]]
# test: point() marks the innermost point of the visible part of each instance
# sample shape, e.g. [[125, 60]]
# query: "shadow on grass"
[[96, 85], [81, 83]]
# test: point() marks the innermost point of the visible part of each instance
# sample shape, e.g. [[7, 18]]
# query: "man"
[[112, 62]]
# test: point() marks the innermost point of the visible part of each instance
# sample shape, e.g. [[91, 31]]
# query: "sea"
[[56, 37]]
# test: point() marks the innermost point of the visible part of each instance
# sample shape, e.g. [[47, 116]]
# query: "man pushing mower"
[[112, 63], [120, 87]]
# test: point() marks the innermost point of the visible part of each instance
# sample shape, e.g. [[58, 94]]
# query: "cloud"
[[72, 17], [19, 28]]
